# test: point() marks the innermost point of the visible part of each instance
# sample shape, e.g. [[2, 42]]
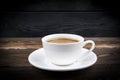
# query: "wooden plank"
[[14, 61], [38, 24], [34, 43], [31, 73], [19, 57], [14, 65]]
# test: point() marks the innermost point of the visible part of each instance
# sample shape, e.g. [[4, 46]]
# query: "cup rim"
[[45, 38]]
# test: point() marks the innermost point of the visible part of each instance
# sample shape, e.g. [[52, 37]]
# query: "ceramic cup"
[[65, 53]]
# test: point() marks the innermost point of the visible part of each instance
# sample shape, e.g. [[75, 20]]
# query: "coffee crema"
[[63, 40]]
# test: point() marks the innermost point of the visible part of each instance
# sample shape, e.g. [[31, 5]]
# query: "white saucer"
[[38, 59]]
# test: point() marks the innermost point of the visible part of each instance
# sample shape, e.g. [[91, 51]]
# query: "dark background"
[[37, 18]]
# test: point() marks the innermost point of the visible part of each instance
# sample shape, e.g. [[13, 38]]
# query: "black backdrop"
[[37, 18]]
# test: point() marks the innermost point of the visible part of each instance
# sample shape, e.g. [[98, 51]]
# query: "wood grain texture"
[[38, 24], [36, 18], [14, 63], [34, 43]]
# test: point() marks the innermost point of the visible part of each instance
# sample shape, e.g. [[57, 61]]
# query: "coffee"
[[62, 40]]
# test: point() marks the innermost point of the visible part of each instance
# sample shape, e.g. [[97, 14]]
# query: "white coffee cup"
[[65, 53]]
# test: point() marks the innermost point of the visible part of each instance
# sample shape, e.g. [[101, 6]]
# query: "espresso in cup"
[[62, 40]]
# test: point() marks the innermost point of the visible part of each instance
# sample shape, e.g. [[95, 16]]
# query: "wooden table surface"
[[14, 64]]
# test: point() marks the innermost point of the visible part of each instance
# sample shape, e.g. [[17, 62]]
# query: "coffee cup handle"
[[92, 44], [87, 53]]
